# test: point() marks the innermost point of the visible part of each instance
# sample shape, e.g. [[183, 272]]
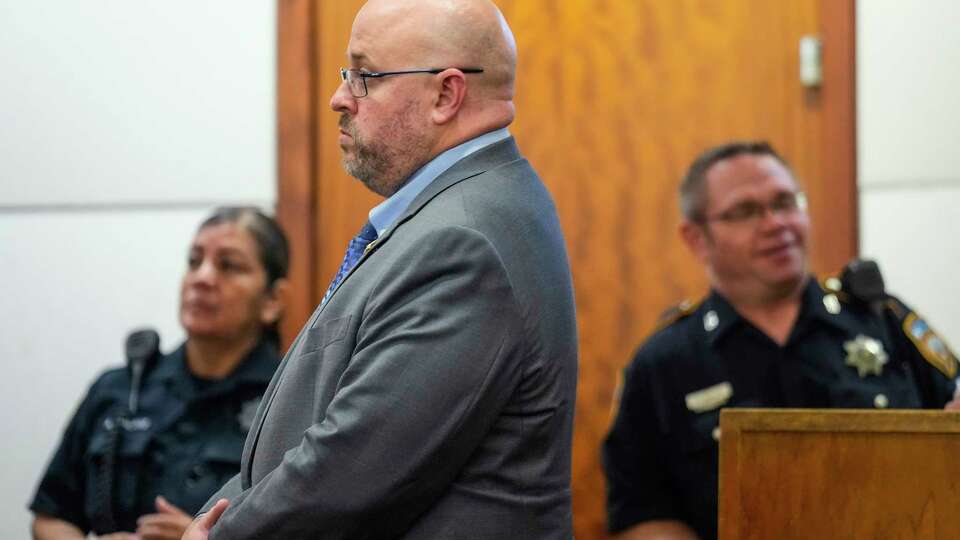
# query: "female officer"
[[142, 475]]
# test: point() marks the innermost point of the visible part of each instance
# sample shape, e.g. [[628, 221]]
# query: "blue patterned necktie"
[[354, 251]]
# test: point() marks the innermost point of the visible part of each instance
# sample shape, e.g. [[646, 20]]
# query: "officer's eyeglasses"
[[357, 78], [751, 212]]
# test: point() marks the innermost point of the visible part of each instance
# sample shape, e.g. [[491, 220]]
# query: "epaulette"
[[675, 313], [615, 402], [931, 346], [668, 317]]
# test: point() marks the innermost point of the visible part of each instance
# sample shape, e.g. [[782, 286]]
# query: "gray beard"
[[383, 168], [368, 166]]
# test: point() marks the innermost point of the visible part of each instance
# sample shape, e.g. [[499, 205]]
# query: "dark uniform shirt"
[[184, 443], [661, 455]]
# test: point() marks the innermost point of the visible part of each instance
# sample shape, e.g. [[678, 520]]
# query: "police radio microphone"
[[142, 349], [862, 280]]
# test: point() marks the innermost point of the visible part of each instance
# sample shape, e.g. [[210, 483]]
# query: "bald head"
[[403, 120], [441, 33]]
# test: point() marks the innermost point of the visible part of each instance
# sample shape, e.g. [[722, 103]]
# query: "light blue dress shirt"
[[385, 215]]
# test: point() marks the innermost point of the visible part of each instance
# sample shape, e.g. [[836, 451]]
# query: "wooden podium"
[[839, 474]]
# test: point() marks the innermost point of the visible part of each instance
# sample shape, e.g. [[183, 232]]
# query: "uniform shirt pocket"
[[699, 434]]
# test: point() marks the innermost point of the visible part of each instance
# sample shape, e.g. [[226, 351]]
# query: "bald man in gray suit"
[[431, 395]]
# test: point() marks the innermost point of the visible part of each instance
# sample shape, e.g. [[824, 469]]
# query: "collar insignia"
[[710, 321], [832, 304]]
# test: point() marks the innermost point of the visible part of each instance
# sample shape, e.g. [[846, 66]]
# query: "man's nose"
[[342, 100]]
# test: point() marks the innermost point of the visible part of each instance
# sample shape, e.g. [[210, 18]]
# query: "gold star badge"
[[866, 354]]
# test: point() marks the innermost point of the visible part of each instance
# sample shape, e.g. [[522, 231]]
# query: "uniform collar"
[[718, 316], [257, 367], [815, 306]]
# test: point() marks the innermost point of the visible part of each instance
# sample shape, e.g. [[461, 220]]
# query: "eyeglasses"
[[784, 204], [357, 78]]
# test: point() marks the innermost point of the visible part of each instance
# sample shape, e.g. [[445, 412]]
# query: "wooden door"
[[614, 100]]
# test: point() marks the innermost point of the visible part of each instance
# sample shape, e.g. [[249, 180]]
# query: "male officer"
[[768, 335], [431, 394]]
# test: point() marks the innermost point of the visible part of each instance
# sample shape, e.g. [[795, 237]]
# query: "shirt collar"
[[385, 215], [815, 306], [256, 367], [717, 317], [725, 316]]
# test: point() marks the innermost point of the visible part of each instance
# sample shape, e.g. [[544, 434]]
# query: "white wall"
[[122, 123], [908, 76]]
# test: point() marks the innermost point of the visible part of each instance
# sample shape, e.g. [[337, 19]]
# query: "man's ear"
[[696, 237], [274, 302], [452, 92]]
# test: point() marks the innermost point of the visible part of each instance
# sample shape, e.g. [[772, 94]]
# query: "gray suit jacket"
[[432, 396]]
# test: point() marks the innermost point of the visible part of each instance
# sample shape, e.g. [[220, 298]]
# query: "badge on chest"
[[866, 354]]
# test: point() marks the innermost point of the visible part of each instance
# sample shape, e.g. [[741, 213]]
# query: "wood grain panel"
[[296, 161], [342, 201], [796, 474], [839, 222], [614, 100]]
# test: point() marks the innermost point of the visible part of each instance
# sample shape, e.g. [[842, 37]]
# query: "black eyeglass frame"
[[364, 75]]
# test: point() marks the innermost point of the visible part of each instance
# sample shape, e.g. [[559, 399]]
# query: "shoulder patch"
[[933, 348], [676, 313]]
